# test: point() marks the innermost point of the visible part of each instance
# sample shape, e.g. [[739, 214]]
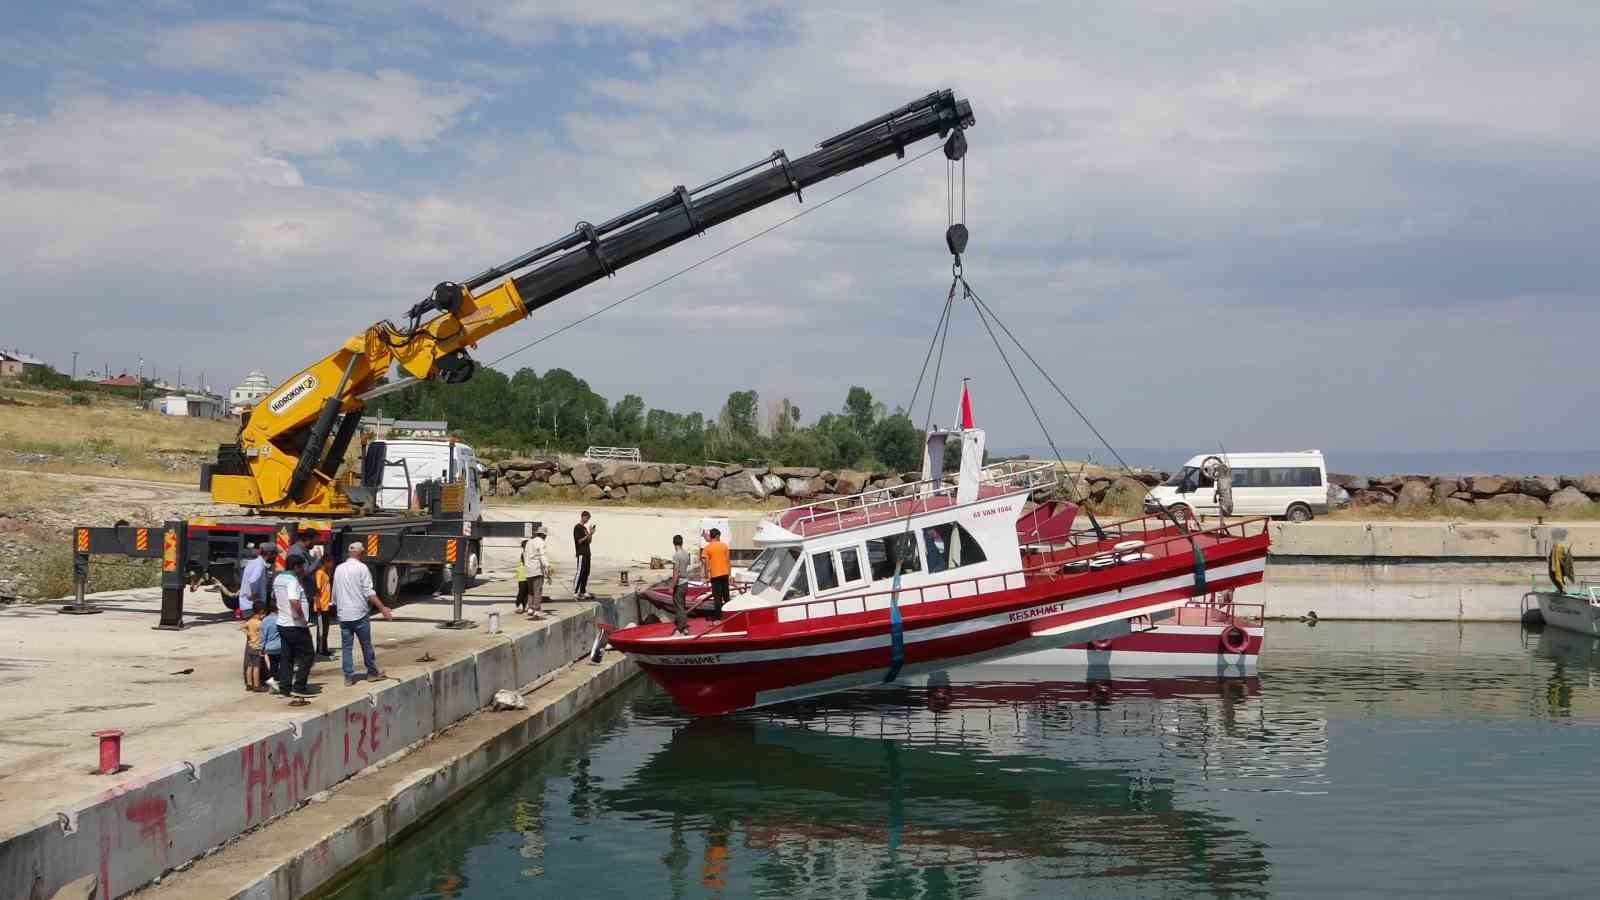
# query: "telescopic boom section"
[[291, 444]]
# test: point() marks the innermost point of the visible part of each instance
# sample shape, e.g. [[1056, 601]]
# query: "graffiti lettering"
[[370, 731], [151, 816], [264, 771]]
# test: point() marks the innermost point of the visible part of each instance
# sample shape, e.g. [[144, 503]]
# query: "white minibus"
[[1290, 485]]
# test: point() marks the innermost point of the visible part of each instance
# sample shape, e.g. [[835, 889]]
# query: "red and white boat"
[[941, 572], [1208, 633]]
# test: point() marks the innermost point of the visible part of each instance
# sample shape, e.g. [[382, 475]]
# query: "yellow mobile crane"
[[285, 464], [290, 447]]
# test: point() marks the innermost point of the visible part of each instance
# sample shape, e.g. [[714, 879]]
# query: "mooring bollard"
[[110, 751]]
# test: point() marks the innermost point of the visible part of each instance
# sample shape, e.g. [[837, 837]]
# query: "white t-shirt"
[[534, 558], [286, 587], [352, 585]]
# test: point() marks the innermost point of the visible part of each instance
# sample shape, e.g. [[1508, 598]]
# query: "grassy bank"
[[35, 553], [50, 432]]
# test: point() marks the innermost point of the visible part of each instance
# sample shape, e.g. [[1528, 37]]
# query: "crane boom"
[[291, 444]]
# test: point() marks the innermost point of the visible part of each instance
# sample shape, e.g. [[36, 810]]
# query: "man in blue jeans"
[[353, 600]]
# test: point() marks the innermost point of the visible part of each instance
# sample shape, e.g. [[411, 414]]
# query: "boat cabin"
[[958, 530]]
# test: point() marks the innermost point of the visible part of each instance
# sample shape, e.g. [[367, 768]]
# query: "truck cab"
[[396, 470]]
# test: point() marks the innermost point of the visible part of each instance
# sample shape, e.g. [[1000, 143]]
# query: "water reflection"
[[1389, 754]]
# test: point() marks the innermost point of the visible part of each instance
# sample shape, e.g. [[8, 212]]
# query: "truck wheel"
[[387, 579], [1299, 512]]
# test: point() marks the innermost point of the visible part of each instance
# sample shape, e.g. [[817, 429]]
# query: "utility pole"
[[141, 382], [74, 365]]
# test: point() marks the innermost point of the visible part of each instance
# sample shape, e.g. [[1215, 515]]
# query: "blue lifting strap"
[[1199, 570], [897, 637]]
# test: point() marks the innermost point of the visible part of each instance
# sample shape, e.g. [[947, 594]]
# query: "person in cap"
[[680, 586], [354, 599], [535, 566]]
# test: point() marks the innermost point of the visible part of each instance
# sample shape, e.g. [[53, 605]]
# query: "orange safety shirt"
[[716, 556], [324, 601]]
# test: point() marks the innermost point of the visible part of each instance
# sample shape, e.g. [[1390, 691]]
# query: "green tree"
[[859, 409], [898, 443], [739, 414]]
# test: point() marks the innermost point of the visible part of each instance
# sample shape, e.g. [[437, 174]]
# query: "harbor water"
[[1373, 758]]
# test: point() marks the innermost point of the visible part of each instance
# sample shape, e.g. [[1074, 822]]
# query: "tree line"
[[558, 411]]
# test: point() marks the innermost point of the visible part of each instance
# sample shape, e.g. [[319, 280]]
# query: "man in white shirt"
[[294, 625], [535, 566], [253, 582], [353, 600]]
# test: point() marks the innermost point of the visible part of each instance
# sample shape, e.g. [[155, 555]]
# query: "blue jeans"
[[362, 629]]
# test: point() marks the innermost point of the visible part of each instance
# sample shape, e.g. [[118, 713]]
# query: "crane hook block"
[[455, 368], [955, 237], [956, 146]]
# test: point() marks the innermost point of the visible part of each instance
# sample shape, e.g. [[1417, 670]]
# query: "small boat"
[[943, 571], [1208, 633], [1562, 600]]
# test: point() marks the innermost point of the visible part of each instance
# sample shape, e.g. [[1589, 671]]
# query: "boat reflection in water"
[[952, 778], [1576, 663]]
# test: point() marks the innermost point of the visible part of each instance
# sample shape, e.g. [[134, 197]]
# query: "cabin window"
[[800, 588], [850, 562], [777, 569], [883, 554], [950, 547], [827, 577]]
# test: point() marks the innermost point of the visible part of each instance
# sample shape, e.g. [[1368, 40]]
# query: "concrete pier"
[[1427, 571], [206, 761]]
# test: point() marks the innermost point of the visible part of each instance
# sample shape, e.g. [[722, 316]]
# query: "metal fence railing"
[[612, 454]]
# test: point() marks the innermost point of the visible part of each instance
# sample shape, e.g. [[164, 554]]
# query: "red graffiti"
[[151, 816], [264, 771], [371, 731]]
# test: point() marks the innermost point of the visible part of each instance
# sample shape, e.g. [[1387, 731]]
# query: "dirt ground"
[[38, 511]]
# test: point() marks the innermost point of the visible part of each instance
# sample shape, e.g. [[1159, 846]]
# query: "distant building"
[[199, 406], [377, 426], [16, 364], [123, 380], [249, 392]]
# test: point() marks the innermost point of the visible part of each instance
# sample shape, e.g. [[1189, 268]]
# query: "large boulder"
[[850, 481], [1589, 484], [1392, 482], [1456, 506], [1487, 485], [581, 475], [712, 474], [1355, 483], [1372, 498], [1413, 494], [592, 491], [796, 471], [741, 483], [649, 475], [1512, 503], [800, 487], [772, 484], [560, 480], [692, 476], [1541, 486], [1443, 488], [1570, 499], [644, 492]]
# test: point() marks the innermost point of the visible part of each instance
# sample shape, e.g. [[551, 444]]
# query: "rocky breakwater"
[[1554, 495], [585, 479]]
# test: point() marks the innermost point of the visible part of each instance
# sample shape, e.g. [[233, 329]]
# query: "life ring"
[[1234, 639], [1100, 644]]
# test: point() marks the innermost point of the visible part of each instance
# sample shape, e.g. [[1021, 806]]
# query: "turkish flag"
[[965, 413]]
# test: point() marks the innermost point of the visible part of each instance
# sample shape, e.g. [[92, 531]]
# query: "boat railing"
[[1586, 588], [1007, 476], [879, 599]]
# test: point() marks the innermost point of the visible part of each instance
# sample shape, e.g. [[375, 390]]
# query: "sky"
[[1360, 226]]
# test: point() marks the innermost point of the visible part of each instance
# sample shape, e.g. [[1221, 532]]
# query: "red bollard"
[[110, 751]]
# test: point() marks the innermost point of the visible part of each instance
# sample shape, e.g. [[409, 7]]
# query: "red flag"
[[966, 407]]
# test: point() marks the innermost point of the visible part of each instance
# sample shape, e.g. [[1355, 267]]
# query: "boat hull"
[[712, 673], [1569, 612], [1200, 647]]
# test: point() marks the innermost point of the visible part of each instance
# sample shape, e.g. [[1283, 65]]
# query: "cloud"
[[1301, 225]]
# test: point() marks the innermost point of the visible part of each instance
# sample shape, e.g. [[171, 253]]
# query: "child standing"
[[322, 604], [522, 579], [271, 645], [252, 650]]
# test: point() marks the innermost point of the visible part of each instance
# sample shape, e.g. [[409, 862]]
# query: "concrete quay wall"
[[1425, 571], [146, 825]]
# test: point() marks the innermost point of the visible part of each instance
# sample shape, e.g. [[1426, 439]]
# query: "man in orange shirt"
[[714, 555]]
